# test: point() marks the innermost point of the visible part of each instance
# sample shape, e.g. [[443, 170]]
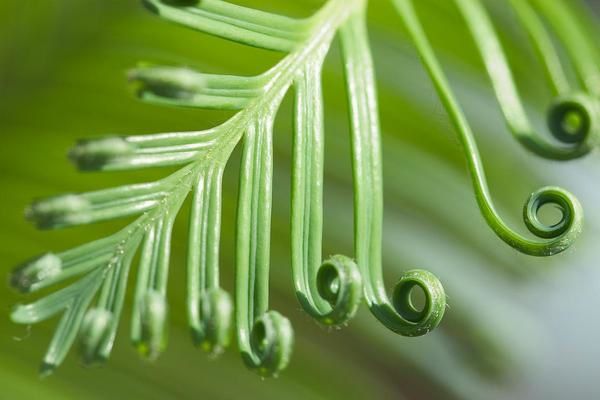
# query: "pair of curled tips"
[[557, 237]]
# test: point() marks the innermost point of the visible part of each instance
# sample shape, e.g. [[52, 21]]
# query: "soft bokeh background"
[[516, 327]]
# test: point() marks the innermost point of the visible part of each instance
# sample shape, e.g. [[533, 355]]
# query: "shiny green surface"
[[64, 80]]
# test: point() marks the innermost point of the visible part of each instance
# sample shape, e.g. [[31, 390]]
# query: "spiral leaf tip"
[[272, 341], [340, 283], [566, 230], [575, 120], [428, 318]]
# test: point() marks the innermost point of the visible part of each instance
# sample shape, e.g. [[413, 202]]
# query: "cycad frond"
[[329, 291], [94, 276]]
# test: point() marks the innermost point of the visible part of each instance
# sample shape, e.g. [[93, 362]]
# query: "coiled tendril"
[[560, 235], [330, 292], [573, 118], [399, 315], [265, 337]]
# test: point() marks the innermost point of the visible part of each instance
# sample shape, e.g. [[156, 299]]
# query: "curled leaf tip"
[[153, 318], [400, 314], [216, 314], [339, 282], [272, 341], [563, 232], [92, 155], [424, 320], [575, 120], [95, 332], [32, 272]]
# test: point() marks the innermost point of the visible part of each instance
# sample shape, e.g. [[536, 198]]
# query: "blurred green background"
[[516, 327]]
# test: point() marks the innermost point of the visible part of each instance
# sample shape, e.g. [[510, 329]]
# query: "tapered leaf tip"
[[47, 369], [28, 274], [91, 155], [50, 213]]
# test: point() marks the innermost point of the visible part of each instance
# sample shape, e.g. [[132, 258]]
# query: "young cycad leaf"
[[330, 291]]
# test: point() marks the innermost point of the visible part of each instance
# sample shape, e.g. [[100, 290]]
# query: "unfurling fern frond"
[[330, 291]]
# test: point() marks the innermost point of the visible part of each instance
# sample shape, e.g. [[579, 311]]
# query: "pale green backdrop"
[[516, 327]]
